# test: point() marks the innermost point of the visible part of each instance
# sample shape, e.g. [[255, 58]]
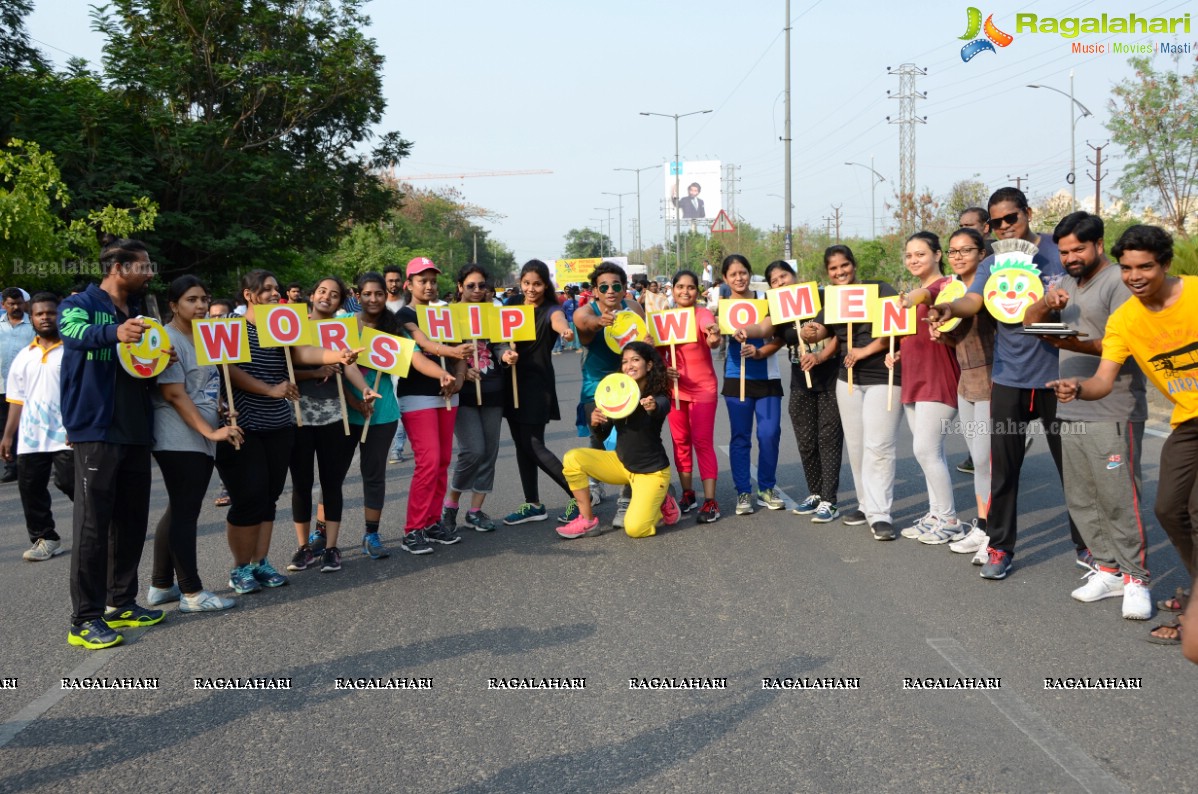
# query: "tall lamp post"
[[640, 246], [620, 196], [1072, 180], [873, 189], [608, 211], [602, 248], [677, 167]]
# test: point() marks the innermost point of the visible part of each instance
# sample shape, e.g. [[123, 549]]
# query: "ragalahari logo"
[[977, 45]]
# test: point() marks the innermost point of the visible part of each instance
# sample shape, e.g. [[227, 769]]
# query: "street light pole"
[[677, 166], [1072, 131], [640, 246], [620, 196], [873, 189], [608, 211]]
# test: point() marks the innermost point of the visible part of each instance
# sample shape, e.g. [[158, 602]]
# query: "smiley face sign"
[[1013, 286], [617, 395], [149, 357], [626, 327], [954, 289]]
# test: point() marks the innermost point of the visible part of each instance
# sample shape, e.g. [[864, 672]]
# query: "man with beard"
[[109, 420], [1100, 439], [35, 415], [394, 278]]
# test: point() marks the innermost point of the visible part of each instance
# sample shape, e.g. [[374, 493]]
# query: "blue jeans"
[[401, 438], [768, 412]]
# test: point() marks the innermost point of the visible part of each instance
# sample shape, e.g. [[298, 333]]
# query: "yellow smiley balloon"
[[626, 327], [151, 355], [948, 293], [617, 395]]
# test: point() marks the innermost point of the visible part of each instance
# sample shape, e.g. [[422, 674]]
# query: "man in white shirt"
[[33, 392], [16, 332]]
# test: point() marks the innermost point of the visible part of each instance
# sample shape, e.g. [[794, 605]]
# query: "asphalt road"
[[749, 598]]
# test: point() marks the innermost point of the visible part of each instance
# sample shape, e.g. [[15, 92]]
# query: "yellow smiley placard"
[[625, 327], [948, 293], [617, 395], [1013, 286], [149, 357]]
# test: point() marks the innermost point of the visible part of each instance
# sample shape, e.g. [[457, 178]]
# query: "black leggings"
[[815, 417], [255, 475], [186, 476], [334, 451], [532, 454], [372, 461]]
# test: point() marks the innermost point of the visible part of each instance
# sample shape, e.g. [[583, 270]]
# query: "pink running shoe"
[[670, 512], [580, 527]]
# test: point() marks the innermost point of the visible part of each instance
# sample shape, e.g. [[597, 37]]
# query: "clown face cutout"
[[617, 395], [150, 356], [1013, 286], [626, 327]]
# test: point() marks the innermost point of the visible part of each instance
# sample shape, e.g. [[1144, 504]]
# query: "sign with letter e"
[[849, 303]]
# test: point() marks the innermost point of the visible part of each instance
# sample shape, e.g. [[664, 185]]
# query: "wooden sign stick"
[[344, 407], [299, 421], [448, 400], [229, 397], [378, 374], [890, 380], [850, 346], [674, 361], [478, 384]]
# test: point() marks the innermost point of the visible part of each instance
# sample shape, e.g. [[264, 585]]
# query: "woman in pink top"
[[930, 377], [692, 424]]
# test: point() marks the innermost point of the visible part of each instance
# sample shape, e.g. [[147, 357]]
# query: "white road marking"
[[791, 504], [1055, 744], [44, 702]]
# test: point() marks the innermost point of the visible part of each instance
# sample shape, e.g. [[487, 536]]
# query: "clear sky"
[[559, 85]]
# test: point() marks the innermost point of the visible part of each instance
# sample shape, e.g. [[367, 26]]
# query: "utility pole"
[[836, 219], [640, 245], [787, 248], [620, 196], [730, 189], [827, 226], [907, 119], [1018, 180], [1097, 175]]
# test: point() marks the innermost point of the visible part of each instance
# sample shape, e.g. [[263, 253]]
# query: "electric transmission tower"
[[907, 119]]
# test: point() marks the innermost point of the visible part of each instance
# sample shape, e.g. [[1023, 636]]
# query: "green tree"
[[964, 193], [254, 109], [38, 243], [586, 244], [1154, 118], [15, 50]]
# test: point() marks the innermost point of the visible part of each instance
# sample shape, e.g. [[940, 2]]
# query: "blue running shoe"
[[131, 616], [525, 513], [571, 512], [94, 635], [242, 579], [316, 539], [266, 574], [372, 546]]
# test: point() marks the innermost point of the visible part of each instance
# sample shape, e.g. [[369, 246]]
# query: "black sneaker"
[[883, 530], [330, 560], [131, 616], [445, 535], [415, 542], [688, 502], [998, 564], [449, 516], [316, 539], [94, 635], [853, 518], [301, 559], [966, 466]]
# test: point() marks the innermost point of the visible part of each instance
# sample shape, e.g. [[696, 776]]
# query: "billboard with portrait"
[[698, 190]]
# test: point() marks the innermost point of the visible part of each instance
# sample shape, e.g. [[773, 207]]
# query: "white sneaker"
[[621, 510], [43, 550], [1100, 585], [983, 555], [204, 601], [943, 532], [1137, 599], [162, 595], [925, 524], [976, 539]]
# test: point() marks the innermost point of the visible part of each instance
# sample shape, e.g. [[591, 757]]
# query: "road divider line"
[[1055, 744], [44, 702]]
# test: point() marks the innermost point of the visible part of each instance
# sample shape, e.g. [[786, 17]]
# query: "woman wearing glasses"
[[537, 386], [477, 425]]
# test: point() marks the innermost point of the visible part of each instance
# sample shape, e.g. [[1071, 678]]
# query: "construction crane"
[[471, 175]]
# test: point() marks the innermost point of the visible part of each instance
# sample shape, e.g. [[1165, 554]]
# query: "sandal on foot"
[[1159, 639], [1175, 604]]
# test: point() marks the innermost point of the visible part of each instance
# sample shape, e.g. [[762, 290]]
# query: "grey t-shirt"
[[171, 433], [1087, 311]]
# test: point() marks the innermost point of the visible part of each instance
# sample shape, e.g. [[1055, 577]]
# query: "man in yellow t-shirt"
[[1160, 331]]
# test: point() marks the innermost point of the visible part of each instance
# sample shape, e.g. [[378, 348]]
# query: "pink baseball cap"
[[421, 264]]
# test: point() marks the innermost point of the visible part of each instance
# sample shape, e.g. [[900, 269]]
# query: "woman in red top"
[[930, 375], [692, 424]]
